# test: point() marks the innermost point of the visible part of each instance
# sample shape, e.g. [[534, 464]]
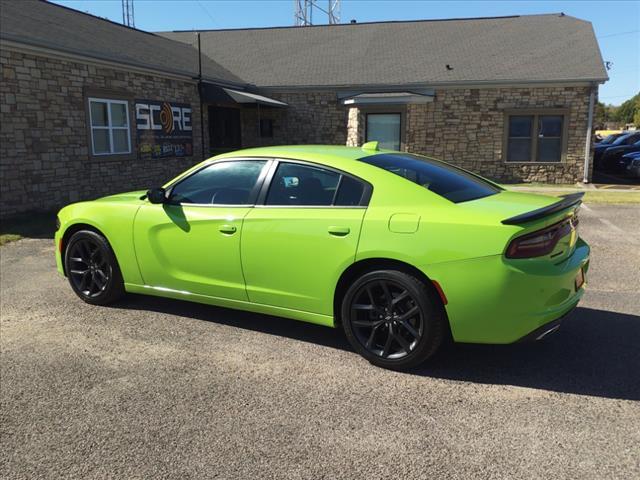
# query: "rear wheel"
[[92, 268], [393, 319]]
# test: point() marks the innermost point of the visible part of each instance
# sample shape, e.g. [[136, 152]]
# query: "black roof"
[[531, 48], [43, 24], [500, 50]]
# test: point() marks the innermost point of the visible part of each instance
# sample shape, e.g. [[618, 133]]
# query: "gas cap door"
[[404, 223]]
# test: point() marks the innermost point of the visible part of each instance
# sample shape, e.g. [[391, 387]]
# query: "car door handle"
[[339, 231], [229, 229]]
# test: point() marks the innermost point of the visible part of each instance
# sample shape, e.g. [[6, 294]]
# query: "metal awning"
[[386, 98], [216, 94], [247, 97]]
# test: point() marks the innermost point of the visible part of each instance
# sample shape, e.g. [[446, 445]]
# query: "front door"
[[192, 242], [224, 129], [296, 245]]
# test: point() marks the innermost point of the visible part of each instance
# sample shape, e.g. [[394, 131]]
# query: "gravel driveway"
[[165, 389]]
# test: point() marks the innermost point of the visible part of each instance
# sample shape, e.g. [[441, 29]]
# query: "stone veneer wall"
[[44, 141], [44, 151], [312, 117], [466, 127]]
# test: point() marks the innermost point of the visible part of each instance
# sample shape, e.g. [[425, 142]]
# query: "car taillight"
[[542, 242]]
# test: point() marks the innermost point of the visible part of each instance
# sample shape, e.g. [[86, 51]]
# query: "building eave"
[[26, 46], [441, 85]]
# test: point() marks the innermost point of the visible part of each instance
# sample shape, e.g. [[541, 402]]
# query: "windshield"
[[452, 183], [626, 139], [609, 139]]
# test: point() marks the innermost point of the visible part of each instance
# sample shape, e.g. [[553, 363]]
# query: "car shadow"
[[595, 352]]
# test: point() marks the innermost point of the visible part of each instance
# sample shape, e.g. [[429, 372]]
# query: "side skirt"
[[317, 318]]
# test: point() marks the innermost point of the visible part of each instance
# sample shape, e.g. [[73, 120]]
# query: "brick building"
[[90, 107]]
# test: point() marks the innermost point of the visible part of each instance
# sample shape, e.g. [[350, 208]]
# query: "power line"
[[618, 96], [205, 11], [619, 33]]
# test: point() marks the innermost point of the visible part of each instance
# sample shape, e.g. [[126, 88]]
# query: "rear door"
[[192, 243], [301, 237]]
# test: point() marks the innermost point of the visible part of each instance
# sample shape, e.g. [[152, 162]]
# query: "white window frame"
[[109, 127]]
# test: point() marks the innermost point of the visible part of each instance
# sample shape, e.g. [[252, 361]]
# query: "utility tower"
[[127, 13], [304, 10]]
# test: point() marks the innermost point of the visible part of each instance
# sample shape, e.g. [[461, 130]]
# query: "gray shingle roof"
[[532, 48], [48, 25]]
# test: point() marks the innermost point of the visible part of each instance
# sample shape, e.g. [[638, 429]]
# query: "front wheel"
[[92, 268], [393, 319]]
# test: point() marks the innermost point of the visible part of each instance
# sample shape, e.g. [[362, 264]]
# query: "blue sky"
[[617, 23]]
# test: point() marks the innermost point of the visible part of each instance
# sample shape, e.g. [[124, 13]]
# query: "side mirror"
[[157, 195]]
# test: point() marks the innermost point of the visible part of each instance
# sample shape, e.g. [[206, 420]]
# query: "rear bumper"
[[494, 300], [545, 330]]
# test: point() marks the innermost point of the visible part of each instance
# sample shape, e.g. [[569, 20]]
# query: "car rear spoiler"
[[566, 202]]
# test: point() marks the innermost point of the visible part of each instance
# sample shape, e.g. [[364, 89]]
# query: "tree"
[[602, 114], [626, 113]]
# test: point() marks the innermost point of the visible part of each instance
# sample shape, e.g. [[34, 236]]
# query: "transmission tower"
[[304, 10], [127, 13]]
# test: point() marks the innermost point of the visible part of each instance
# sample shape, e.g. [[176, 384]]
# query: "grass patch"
[[8, 237], [31, 225], [544, 186], [591, 196], [600, 196]]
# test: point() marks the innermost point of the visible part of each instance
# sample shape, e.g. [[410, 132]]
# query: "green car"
[[399, 250]]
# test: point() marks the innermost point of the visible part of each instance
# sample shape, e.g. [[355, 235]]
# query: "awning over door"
[[386, 98], [216, 94]]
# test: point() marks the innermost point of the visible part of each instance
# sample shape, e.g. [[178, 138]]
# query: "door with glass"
[[297, 243], [192, 242]]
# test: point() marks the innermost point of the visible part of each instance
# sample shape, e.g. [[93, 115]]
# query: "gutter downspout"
[[587, 147], [200, 86]]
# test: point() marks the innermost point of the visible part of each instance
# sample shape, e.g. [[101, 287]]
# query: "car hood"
[[506, 204], [123, 197]]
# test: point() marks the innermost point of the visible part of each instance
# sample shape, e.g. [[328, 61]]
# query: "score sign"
[[163, 129]]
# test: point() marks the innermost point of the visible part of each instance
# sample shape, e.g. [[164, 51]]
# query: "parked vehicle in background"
[[612, 157], [399, 250], [622, 141], [632, 164], [609, 139]]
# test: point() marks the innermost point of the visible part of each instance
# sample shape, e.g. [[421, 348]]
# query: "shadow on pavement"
[[595, 352]]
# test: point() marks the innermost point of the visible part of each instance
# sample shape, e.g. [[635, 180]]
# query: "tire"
[[92, 268], [393, 319]]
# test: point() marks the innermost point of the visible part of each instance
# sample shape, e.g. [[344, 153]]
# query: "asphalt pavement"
[[157, 388]]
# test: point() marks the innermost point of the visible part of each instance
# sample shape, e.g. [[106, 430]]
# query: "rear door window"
[[297, 184]]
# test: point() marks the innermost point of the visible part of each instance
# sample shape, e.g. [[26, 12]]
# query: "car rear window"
[[452, 183]]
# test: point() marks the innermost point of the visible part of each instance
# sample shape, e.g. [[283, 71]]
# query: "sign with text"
[[164, 129]]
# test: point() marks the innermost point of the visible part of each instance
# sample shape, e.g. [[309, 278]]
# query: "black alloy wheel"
[[92, 269], [392, 319]]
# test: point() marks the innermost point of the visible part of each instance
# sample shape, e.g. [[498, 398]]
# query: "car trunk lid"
[[525, 213]]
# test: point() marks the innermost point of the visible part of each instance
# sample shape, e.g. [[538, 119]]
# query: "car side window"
[[221, 183], [350, 192], [296, 184]]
